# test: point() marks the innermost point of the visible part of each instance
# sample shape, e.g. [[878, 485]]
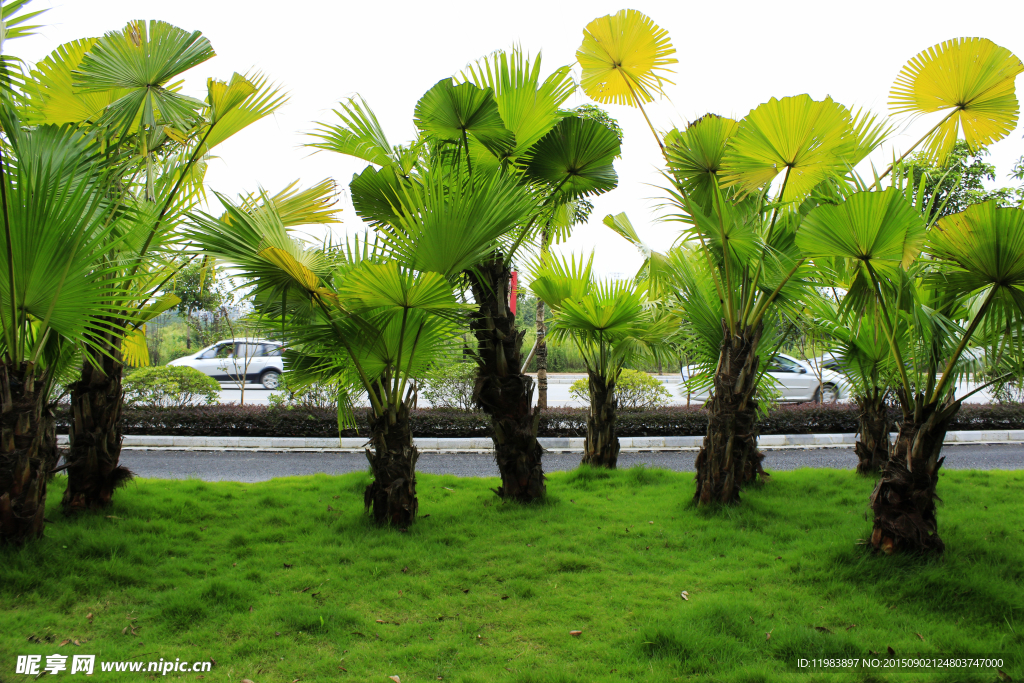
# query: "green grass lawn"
[[287, 580]]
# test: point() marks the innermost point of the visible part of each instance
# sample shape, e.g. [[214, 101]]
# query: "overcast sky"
[[733, 56]]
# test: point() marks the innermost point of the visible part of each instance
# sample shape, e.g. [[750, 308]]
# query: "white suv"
[[239, 360], [796, 381]]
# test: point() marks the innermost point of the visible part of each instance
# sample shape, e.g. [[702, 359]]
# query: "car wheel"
[[827, 393], [270, 379]]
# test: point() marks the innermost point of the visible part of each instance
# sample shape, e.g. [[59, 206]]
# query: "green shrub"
[[450, 385], [174, 386], [316, 395], [634, 389]]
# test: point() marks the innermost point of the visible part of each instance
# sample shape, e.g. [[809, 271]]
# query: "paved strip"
[[251, 466]]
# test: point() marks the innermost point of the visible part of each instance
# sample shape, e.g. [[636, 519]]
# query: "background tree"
[[957, 183], [610, 325]]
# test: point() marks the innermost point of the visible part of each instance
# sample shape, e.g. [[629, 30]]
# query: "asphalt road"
[[249, 466]]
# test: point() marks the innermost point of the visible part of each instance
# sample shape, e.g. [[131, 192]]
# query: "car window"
[[271, 350], [225, 351], [247, 350], [212, 352], [780, 364]]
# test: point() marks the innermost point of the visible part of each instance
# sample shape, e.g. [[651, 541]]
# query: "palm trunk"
[[503, 390], [28, 453], [729, 457], [541, 356], [93, 466], [601, 447], [872, 447], [391, 498], [904, 498]]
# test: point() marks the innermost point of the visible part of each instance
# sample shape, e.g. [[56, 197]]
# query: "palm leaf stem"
[[968, 333], [640, 106], [412, 355], [142, 304], [887, 326], [913, 147], [367, 384], [469, 162], [170, 198], [730, 312], [398, 358], [764, 249], [526, 230]]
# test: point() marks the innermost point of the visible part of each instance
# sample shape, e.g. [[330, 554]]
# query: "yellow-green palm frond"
[[238, 103], [972, 76], [555, 279], [807, 139], [622, 55], [528, 106], [49, 96]]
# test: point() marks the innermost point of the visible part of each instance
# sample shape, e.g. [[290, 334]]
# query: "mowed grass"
[[288, 580]]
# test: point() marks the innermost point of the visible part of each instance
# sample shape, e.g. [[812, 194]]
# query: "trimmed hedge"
[[231, 420]]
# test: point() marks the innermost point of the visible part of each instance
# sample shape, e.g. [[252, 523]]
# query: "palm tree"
[[122, 86], [967, 288], [53, 296], [611, 325], [352, 320], [494, 161]]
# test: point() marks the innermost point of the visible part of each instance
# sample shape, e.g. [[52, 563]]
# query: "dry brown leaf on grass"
[[823, 629], [396, 679], [1003, 676], [851, 626], [892, 652], [685, 595], [575, 633], [919, 636], [64, 642], [768, 636], [89, 616]]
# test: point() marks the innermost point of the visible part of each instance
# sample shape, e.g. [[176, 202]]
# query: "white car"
[[236, 360], [795, 379]]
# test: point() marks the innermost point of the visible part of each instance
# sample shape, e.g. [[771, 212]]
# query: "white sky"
[[733, 56]]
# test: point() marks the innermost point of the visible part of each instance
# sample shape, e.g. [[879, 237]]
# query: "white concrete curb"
[[629, 443]]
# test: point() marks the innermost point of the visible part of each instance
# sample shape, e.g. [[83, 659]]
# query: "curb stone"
[[483, 444]]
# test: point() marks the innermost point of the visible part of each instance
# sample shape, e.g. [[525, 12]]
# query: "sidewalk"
[[477, 444]]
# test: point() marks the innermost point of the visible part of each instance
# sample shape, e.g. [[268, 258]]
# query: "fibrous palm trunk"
[[903, 501], [93, 459], [502, 389], [872, 447], [391, 498], [729, 457], [28, 453], [601, 447]]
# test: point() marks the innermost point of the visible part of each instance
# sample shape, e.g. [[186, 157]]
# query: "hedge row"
[[231, 420]]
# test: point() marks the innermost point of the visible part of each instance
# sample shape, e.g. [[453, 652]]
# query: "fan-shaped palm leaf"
[[49, 96], [972, 76], [985, 247], [809, 140], [448, 227], [528, 107], [621, 56], [575, 159], [695, 155], [142, 59], [452, 112]]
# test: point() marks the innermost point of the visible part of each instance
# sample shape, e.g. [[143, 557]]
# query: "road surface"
[[250, 466]]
